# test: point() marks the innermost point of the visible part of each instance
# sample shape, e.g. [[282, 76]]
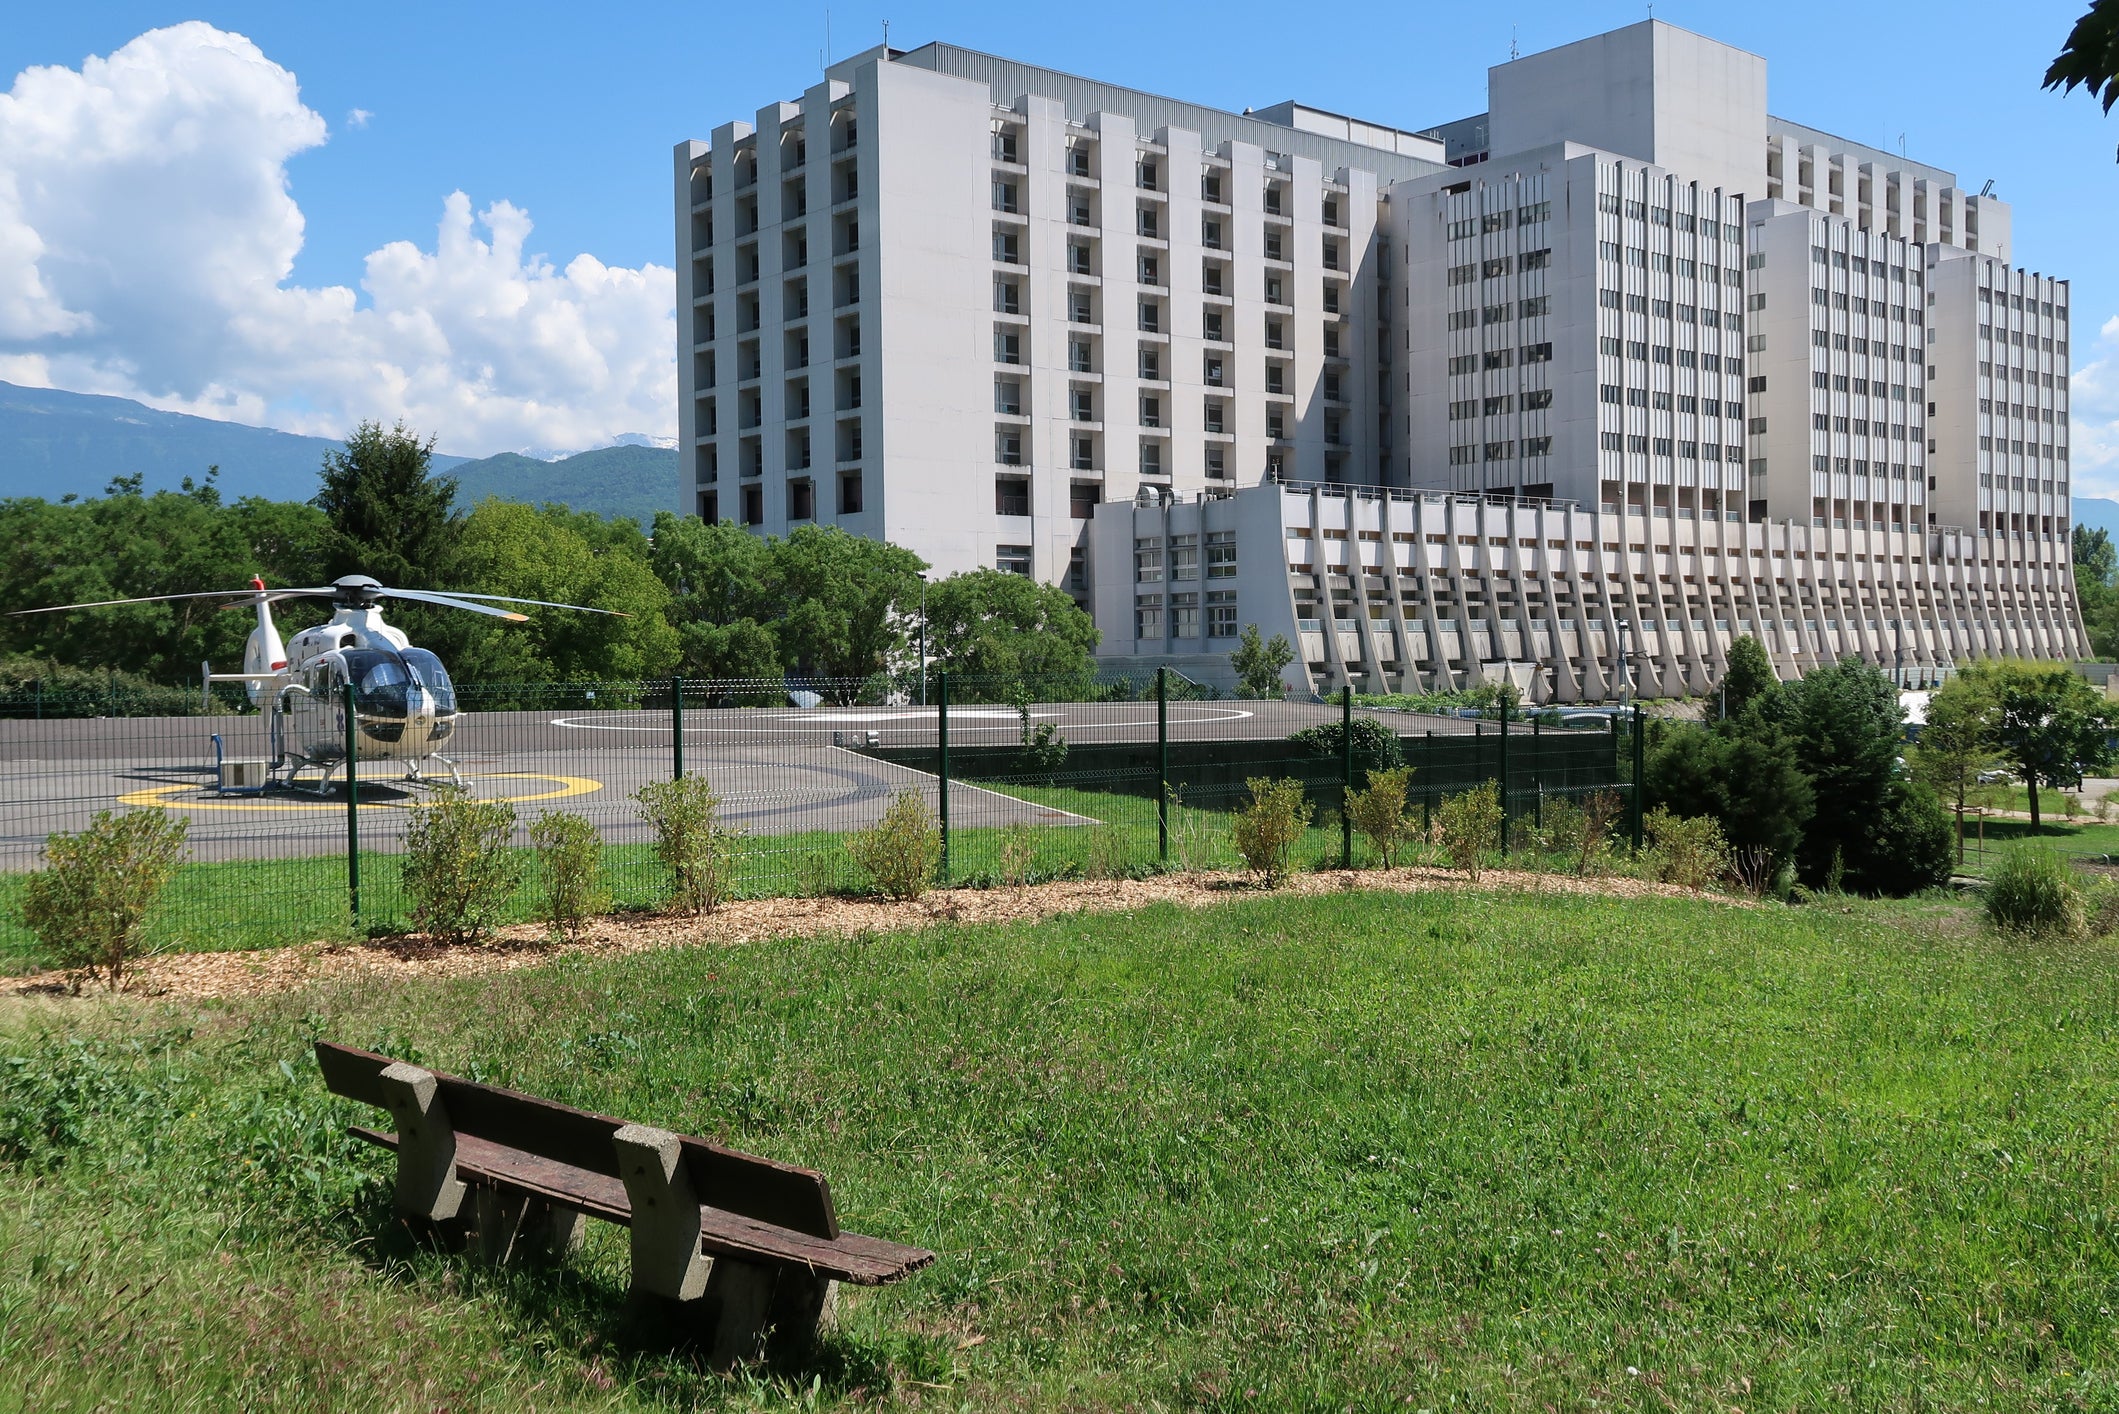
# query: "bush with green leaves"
[[901, 851], [1110, 854], [1689, 851], [459, 871], [1379, 812], [1266, 828], [569, 870], [1375, 745], [2031, 890], [88, 904], [696, 850], [1470, 826]]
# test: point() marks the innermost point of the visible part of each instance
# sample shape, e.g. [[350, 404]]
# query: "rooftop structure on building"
[[1574, 390]]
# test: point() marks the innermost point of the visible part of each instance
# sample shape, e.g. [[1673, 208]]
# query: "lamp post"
[[1625, 676]]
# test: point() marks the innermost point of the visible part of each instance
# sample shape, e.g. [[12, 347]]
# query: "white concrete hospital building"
[[1576, 390]]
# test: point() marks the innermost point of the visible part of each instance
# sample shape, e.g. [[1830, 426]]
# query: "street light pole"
[[923, 640]]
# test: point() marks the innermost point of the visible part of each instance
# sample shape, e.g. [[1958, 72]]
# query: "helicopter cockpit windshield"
[[441, 693], [380, 681]]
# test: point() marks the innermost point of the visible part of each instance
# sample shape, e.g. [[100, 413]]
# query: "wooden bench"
[[734, 1253]]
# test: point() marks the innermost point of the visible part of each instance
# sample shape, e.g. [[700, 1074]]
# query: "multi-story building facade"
[[1575, 390], [958, 303]]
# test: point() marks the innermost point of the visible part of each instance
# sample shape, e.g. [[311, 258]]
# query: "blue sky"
[[568, 116]]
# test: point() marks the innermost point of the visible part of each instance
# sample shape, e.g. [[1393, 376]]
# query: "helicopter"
[[403, 703]]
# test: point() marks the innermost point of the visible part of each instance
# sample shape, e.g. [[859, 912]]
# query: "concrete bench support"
[[667, 1261], [427, 1187]]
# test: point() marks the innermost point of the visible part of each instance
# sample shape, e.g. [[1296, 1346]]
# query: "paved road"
[[779, 771]]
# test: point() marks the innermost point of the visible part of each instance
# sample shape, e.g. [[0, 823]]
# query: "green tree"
[[839, 617], [721, 581], [2049, 724], [1956, 743], [1913, 850], [1847, 729], [2096, 599], [995, 630], [1258, 662], [2090, 58], [554, 554], [1748, 677], [391, 517], [1744, 774], [126, 545]]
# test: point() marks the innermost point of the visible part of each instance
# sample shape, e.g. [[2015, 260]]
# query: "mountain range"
[[55, 443]]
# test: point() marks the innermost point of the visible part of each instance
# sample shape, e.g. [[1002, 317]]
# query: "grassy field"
[[1346, 1151]]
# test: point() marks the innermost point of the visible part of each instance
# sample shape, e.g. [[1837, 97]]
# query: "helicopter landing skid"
[[414, 777]]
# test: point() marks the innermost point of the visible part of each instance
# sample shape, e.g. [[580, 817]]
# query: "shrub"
[[692, 844], [1192, 834], [1470, 825], [2031, 891], [1267, 828], [1110, 853], [1375, 745], [1379, 812], [569, 870], [89, 902], [1018, 853], [459, 872], [901, 851], [1687, 851]]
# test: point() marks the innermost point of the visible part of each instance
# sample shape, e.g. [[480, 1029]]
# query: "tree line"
[[706, 601], [1819, 781]]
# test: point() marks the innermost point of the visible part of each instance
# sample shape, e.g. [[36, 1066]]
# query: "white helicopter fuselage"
[[403, 704]]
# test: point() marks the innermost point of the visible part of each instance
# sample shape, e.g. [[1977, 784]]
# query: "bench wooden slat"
[[849, 1257], [782, 1195]]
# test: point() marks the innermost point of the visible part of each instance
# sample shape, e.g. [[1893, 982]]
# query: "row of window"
[[801, 500], [1540, 259], [1183, 618], [1500, 358], [1471, 453], [1681, 448], [1663, 263], [1180, 556], [1148, 173], [1663, 353]]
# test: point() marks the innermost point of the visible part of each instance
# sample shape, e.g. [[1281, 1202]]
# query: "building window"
[[1151, 414], [1083, 497], [1184, 557], [1012, 559], [1221, 613], [1008, 447], [1082, 454], [1217, 464], [849, 492], [1148, 616], [1184, 616], [1011, 495], [754, 505], [1148, 561], [1007, 346], [801, 500], [1151, 459]]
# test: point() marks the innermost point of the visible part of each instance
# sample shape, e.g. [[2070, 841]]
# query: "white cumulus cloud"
[[357, 117], [147, 237], [2093, 416]]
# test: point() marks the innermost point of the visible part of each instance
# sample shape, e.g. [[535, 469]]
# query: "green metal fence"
[[1029, 781]]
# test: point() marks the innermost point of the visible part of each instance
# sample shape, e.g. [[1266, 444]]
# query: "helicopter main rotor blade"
[[458, 601], [449, 602], [239, 594]]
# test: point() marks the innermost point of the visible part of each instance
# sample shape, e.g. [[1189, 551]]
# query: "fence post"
[[677, 726], [941, 697], [1537, 776], [1162, 765], [353, 809], [1640, 754], [1427, 794], [1346, 772], [1504, 772]]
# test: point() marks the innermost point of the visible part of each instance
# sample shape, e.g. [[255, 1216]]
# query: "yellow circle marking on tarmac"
[[165, 796]]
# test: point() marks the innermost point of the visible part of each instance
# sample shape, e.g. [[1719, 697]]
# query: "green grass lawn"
[[1347, 1151]]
